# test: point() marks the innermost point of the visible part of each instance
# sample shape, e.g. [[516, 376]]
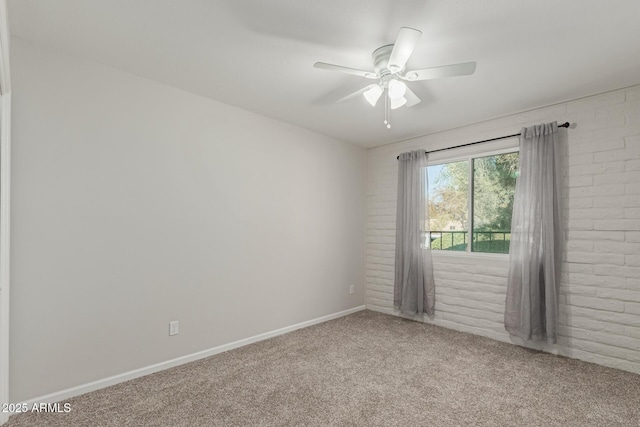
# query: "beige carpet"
[[365, 369]]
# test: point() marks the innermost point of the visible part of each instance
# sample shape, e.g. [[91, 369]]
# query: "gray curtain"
[[531, 309], [414, 290]]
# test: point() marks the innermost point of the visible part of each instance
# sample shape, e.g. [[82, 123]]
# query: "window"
[[472, 197]]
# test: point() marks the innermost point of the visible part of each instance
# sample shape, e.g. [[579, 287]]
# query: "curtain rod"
[[564, 125]]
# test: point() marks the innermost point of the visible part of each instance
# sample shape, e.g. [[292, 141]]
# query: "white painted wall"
[[135, 204], [600, 291], [5, 187]]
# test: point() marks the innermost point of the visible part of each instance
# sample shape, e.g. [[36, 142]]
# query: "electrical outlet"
[[174, 327], [352, 289]]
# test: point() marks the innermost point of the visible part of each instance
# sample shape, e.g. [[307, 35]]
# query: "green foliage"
[[450, 241], [449, 203], [494, 242], [494, 188]]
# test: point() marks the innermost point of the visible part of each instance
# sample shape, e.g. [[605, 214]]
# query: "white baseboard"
[[116, 379]]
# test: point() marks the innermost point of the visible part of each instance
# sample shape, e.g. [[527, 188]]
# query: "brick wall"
[[600, 289]]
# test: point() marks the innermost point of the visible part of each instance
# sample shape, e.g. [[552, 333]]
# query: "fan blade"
[[412, 98], [463, 69], [346, 70], [403, 48], [357, 93]]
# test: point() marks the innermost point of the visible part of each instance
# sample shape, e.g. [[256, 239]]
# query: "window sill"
[[469, 257]]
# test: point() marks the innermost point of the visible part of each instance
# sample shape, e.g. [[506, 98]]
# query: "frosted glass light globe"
[[373, 94], [397, 89]]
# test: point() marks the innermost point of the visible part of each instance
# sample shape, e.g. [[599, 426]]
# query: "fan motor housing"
[[381, 60]]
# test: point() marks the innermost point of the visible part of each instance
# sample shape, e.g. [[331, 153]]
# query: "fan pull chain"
[[385, 108], [387, 112]]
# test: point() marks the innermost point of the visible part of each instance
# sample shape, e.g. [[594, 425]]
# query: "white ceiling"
[[259, 55]]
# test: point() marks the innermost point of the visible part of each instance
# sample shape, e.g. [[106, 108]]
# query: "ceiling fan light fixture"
[[397, 89], [389, 63], [373, 94], [397, 103]]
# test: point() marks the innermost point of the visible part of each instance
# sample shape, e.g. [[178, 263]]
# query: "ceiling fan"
[[389, 69]]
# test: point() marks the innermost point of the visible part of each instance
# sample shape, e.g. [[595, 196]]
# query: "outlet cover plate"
[[174, 327]]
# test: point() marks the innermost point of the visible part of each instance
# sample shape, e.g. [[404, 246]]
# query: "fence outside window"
[[483, 241]]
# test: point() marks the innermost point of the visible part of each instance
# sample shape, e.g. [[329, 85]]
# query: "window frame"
[[509, 145]]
